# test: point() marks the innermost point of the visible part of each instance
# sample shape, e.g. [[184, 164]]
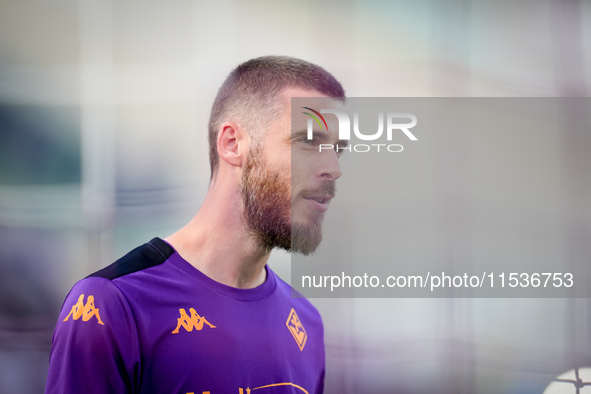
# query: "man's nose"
[[331, 168]]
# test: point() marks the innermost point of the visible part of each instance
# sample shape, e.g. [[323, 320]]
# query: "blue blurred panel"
[[39, 144]]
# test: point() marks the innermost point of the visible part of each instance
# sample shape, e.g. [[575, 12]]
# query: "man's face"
[[287, 183]]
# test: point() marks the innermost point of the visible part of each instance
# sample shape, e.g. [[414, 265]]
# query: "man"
[[200, 312]]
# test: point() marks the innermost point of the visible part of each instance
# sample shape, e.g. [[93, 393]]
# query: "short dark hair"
[[250, 93]]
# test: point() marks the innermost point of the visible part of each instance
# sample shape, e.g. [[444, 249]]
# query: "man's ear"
[[232, 143]]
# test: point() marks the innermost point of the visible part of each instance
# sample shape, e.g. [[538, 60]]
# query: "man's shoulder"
[[148, 255], [113, 281], [111, 289]]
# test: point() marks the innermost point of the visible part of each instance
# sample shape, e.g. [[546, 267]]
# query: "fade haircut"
[[249, 96]]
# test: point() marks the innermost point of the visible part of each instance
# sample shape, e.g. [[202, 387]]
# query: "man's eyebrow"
[[299, 134], [320, 135]]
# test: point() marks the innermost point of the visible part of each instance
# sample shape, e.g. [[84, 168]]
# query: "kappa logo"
[[86, 311], [294, 325], [195, 321]]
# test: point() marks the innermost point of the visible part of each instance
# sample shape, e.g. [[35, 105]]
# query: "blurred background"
[[103, 116]]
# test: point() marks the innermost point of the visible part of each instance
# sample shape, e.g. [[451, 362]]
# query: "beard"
[[266, 197]]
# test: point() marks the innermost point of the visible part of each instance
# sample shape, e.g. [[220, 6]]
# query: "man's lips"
[[321, 199], [319, 202]]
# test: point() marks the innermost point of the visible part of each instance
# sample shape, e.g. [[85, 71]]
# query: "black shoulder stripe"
[[162, 247], [148, 255]]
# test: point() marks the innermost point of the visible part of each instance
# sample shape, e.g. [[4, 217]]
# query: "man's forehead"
[[294, 99], [303, 109]]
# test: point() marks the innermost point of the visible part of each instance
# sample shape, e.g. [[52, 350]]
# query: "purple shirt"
[[152, 323]]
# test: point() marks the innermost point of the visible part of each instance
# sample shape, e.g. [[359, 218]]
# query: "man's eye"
[[307, 141]]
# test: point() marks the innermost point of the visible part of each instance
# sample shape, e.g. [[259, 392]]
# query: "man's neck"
[[216, 242]]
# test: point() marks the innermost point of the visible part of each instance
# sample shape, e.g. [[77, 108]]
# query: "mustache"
[[327, 188]]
